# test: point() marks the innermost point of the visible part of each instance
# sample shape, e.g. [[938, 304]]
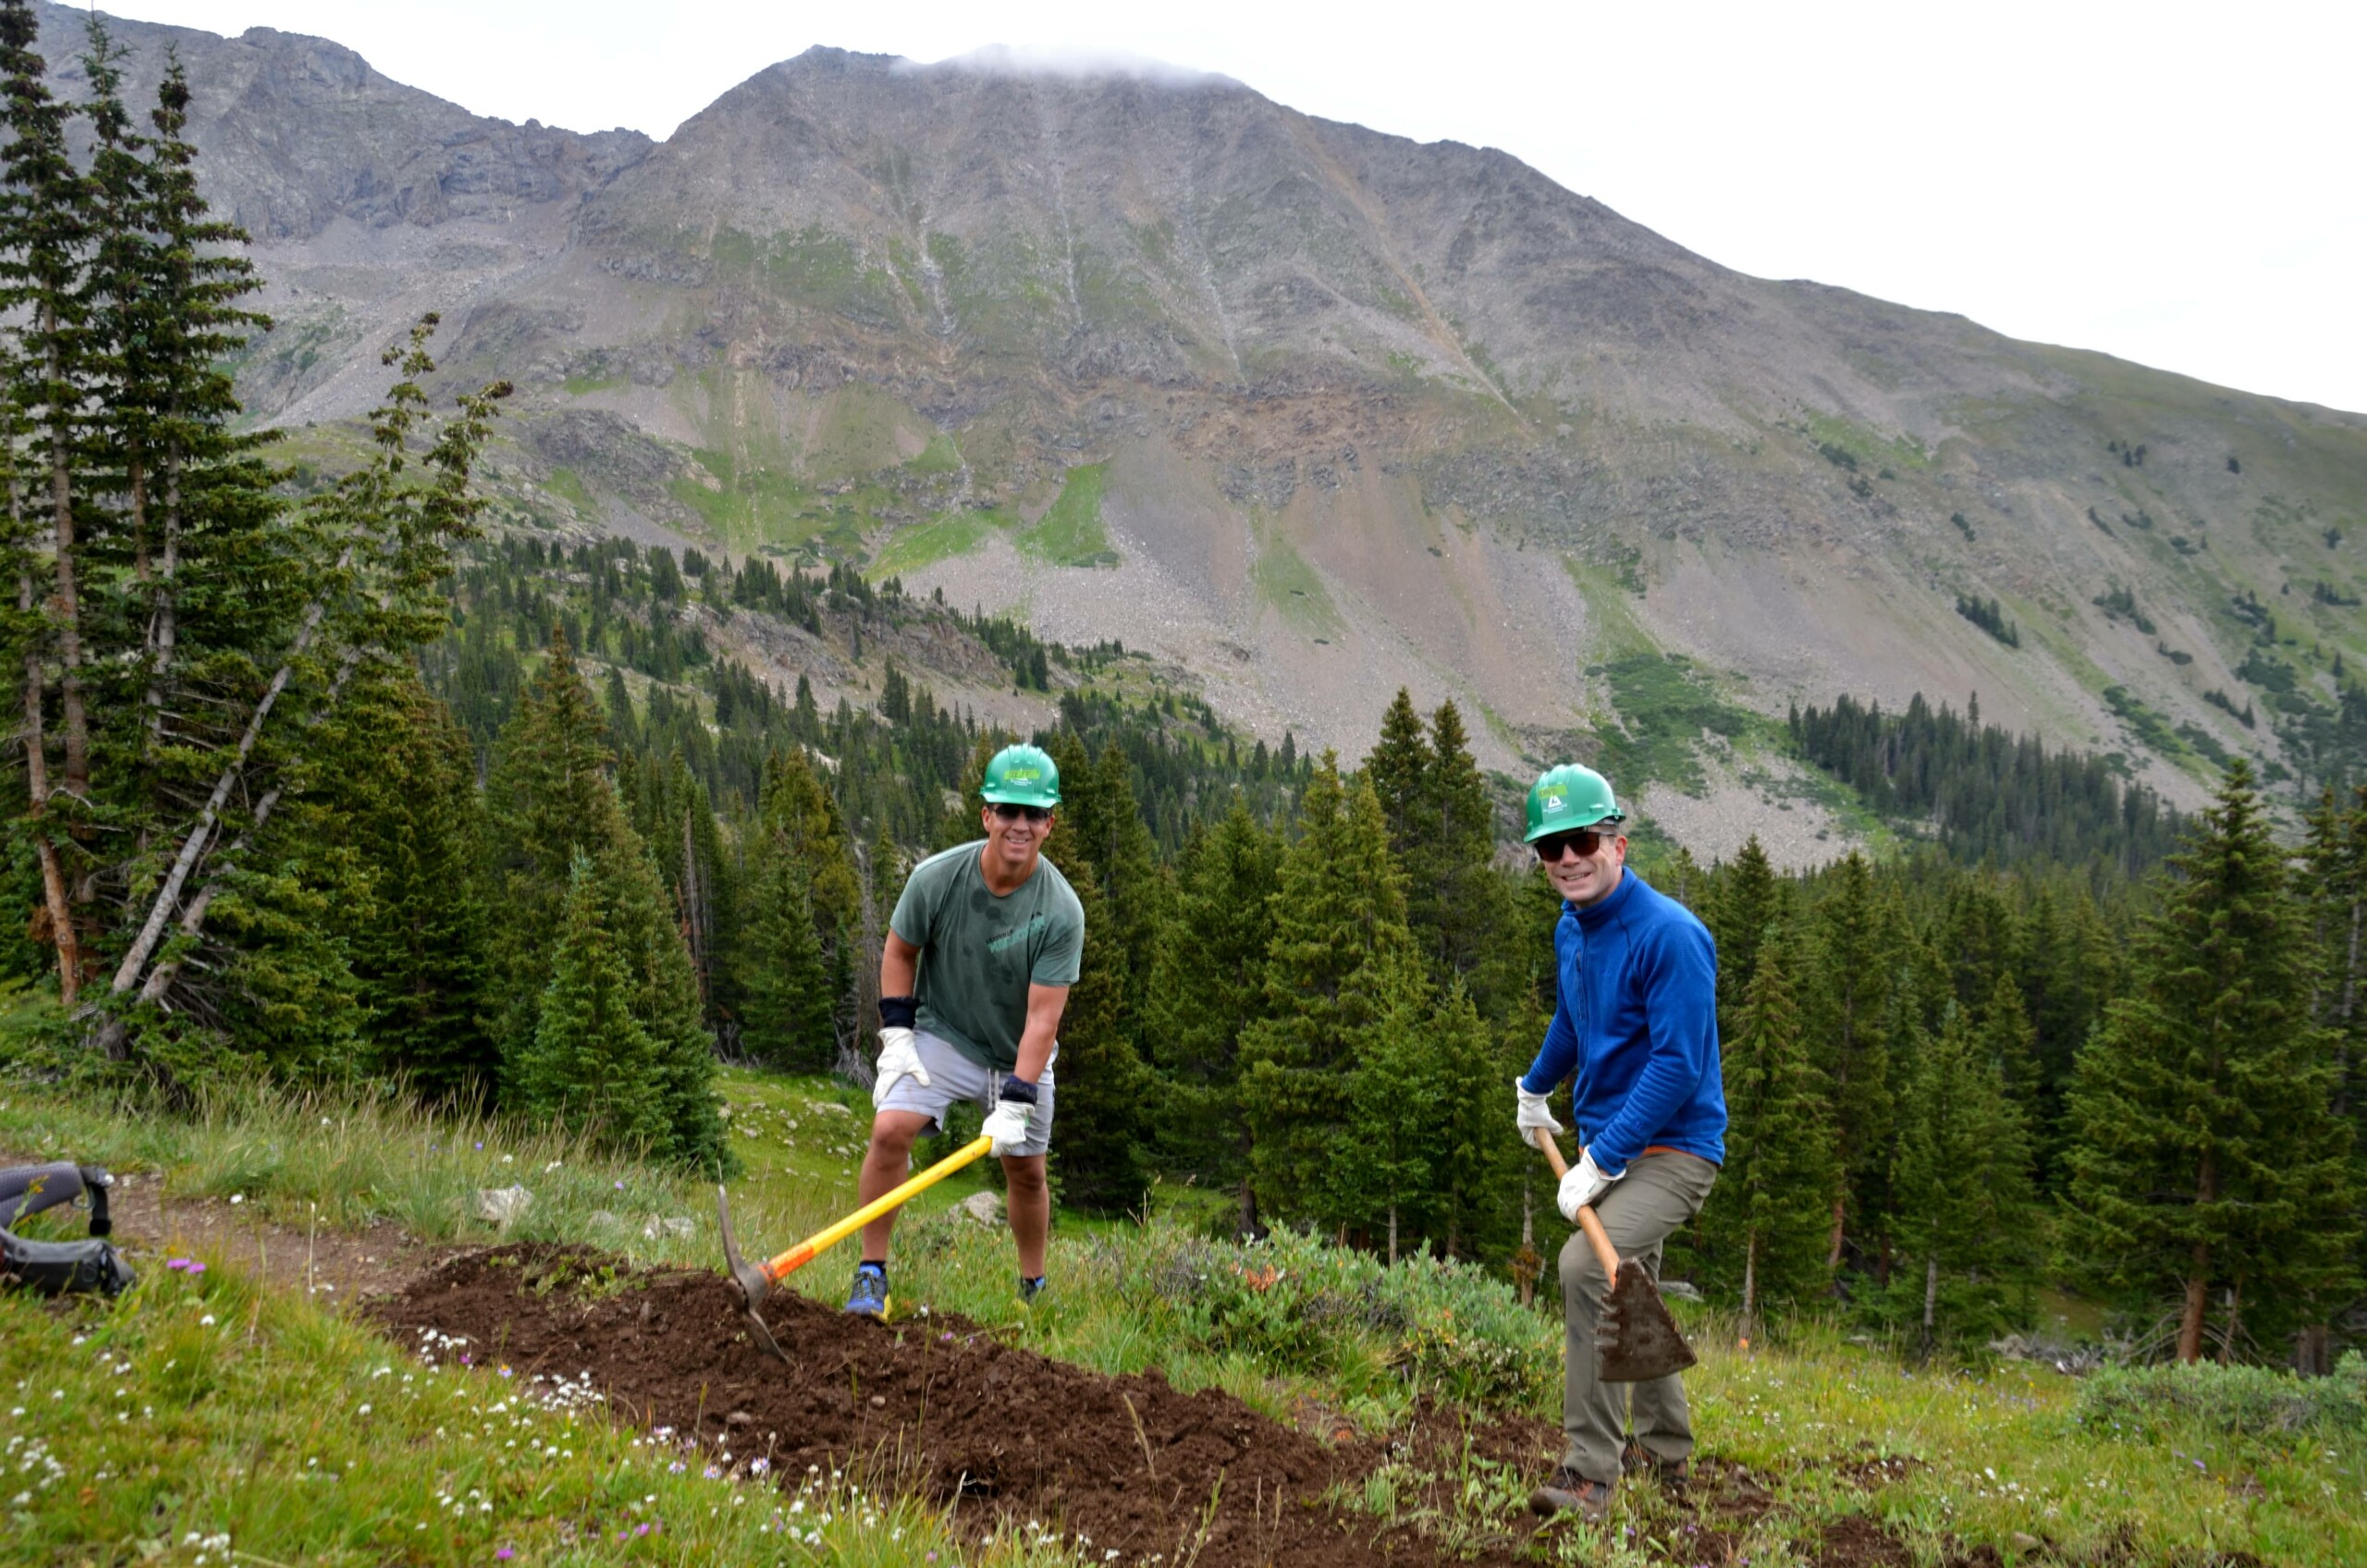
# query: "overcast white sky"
[[2176, 184]]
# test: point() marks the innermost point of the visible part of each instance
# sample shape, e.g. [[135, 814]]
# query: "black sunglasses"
[[1554, 847], [1005, 811]]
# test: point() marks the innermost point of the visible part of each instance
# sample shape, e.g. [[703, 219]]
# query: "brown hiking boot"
[[1566, 1492], [1672, 1473]]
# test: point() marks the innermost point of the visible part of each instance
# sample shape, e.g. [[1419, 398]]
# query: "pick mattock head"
[[1636, 1340], [753, 1283]]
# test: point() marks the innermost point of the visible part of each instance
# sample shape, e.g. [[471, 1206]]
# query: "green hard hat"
[[1569, 797], [1022, 775]]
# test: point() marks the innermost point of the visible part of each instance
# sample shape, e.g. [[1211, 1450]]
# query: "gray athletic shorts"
[[953, 1076]]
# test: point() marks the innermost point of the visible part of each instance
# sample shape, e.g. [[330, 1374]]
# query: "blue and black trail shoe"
[[869, 1297], [1030, 1289]]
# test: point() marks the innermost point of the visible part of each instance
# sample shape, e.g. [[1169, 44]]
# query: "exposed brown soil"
[[944, 1408], [335, 1265]]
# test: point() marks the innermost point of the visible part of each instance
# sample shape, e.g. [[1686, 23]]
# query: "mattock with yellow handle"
[[757, 1280]]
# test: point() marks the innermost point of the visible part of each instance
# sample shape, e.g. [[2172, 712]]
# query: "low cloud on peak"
[[1075, 64]]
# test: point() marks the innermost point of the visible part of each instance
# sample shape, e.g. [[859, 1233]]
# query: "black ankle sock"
[[876, 1264]]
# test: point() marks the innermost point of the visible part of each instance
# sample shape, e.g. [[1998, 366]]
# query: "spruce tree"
[[1208, 986], [549, 797], [2206, 1161], [1101, 825], [1393, 1147], [47, 226], [1748, 899], [1458, 905], [1103, 1098], [1339, 908], [551, 801], [1399, 771], [2069, 962], [409, 806], [1474, 1185], [1847, 1005], [1968, 1212], [1980, 934], [782, 981], [664, 997], [2007, 1043], [1767, 1221], [592, 1065]]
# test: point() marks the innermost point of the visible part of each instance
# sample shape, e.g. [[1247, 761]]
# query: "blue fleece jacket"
[[1638, 1019]]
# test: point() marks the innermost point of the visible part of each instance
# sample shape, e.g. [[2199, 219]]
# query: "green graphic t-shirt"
[[979, 953]]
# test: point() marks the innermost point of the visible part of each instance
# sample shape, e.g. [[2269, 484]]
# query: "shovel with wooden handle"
[[1634, 1340], [757, 1280]]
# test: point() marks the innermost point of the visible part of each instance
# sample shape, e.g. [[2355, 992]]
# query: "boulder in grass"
[[984, 1208], [503, 1205], [681, 1226]]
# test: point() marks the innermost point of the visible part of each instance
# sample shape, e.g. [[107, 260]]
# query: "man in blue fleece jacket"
[[1636, 1020]]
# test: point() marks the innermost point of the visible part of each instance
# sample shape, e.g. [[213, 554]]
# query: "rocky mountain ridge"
[[1308, 410]]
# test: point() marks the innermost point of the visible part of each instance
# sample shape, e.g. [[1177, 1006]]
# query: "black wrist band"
[[899, 1013], [1019, 1089]]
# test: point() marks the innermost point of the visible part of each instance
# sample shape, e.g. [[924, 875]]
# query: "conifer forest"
[[321, 772]]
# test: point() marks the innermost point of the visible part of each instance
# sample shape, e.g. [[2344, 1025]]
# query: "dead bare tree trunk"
[[52, 872], [1930, 1300], [2235, 1322], [163, 619], [65, 599], [694, 910], [1749, 1286]]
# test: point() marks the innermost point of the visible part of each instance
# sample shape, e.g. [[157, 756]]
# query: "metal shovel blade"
[[753, 1286], [1636, 1340]]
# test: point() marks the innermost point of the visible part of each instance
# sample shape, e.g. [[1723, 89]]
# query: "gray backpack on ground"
[[57, 1267]]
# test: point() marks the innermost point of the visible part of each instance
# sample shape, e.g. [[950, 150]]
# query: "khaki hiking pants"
[[1660, 1193]]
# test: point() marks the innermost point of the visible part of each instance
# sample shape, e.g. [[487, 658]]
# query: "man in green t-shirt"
[[980, 955]]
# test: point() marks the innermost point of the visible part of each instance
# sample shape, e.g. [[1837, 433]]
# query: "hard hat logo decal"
[[1556, 800]]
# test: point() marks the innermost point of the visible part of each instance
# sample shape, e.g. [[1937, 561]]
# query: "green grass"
[[1873, 450], [1070, 534], [940, 456], [943, 537], [200, 1420], [584, 386], [569, 486], [1664, 703], [1287, 582], [197, 1405], [751, 505]]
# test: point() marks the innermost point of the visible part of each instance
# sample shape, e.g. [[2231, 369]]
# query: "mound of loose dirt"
[[1130, 1462], [948, 1409]]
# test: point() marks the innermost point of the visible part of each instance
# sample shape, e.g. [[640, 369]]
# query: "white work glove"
[[1583, 1187], [898, 1058], [1007, 1125], [1534, 1112]]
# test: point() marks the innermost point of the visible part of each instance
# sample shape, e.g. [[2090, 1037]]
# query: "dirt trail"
[[335, 1264], [943, 1408], [956, 1414]]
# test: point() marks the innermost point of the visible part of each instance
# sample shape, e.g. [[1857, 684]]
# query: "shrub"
[[1305, 1305], [2251, 1400]]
